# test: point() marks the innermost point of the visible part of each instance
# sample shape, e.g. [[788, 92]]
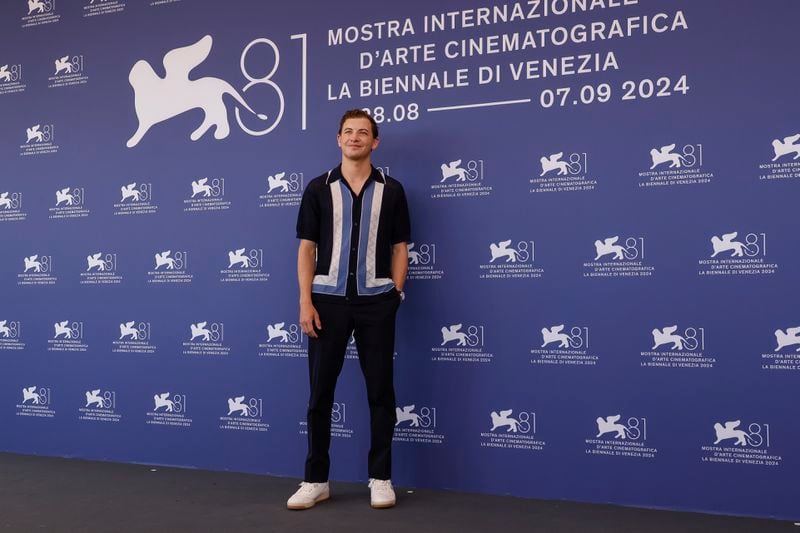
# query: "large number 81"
[[267, 80]]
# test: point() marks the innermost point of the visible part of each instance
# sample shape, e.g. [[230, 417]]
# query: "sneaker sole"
[[303, 507], [382, 505]]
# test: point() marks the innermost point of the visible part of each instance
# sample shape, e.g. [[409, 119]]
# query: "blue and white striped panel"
[[368, 283], [335, 281]]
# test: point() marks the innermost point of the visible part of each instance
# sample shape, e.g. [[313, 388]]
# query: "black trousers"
[[373, 325]]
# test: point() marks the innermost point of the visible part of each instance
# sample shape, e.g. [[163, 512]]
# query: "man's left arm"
[[399, 265], [401, 236]]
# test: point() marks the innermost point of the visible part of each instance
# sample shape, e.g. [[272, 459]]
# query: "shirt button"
[[353, 249], [355, 224], [352, 274]]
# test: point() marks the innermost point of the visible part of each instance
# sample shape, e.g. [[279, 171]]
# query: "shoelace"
[[306, 487], [380, 484]]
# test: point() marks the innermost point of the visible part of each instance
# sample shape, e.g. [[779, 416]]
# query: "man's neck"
[[356, 172]]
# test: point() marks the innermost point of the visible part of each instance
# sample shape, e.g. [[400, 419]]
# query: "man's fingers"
[[317, 321], [308, 329]]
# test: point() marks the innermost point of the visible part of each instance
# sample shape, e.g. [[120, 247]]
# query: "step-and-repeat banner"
[[602, 299]]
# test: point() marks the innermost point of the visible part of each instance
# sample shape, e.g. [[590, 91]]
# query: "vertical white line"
[[304, 38]]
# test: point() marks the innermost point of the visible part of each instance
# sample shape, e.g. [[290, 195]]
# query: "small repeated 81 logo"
[[524, 422], [757, 434], [634, 428], [40, 133], [178, 260], [175, 403], [421, 254], [10, 329], [69, 65], [208, 331], [578, 337], [339, 413], [630, 248], [471, 336], [101, 399], [513, 252], [284, 332], [463, 171], [208, 187], [425, 417], [11, 73], [11, 200], [690, 156], [752, 245], [244, 258], [101, 262], [576, 163], [690, 338], [71, 196], [36, 395], [38, 263], [68, 330], [252, 408], [137, 192], [286, 183], [135, 331], [41, 6]]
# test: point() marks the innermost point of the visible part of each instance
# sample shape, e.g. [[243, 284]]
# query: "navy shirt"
[[354, 234]]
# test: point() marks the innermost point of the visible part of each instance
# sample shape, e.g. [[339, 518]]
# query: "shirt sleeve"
[[308, 218], [401, 230]]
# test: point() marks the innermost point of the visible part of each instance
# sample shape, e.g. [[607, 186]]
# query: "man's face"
[[356, 140]]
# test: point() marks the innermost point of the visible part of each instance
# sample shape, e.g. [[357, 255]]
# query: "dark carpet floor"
[[51, 494]]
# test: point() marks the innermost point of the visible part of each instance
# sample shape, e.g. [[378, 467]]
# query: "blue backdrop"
[[602, 303]]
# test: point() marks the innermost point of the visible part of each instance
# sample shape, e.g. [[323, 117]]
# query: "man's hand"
[[309, 319], [306, 262], [399, 265]]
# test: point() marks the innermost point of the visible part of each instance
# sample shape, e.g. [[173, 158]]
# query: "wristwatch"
[[402, 296]]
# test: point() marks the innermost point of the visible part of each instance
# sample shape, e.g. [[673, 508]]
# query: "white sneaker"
[[307, 495], [381, 493]]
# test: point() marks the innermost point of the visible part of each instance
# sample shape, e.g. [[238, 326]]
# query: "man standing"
[[352, 263]]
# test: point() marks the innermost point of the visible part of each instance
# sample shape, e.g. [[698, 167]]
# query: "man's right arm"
[[306, 265]]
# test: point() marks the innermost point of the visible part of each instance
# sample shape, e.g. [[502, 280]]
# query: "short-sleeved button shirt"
[[354, 234]]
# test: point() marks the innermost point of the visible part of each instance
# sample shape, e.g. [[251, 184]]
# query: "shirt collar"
[[336, 174]]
